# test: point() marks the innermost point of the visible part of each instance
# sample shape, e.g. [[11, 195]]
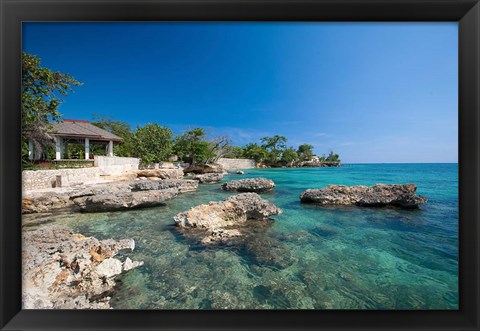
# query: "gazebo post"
[[87, 148], [65, 148], [58, 148], [110, 148], [31, 154]]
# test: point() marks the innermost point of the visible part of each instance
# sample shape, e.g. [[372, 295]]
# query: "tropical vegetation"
[[43, 88]]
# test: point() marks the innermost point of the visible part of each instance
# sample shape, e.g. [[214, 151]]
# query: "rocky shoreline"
[[66, 270], [301, 164], [152, 187]]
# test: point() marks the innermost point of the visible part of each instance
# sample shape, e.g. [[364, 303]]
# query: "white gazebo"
[[79, 131]]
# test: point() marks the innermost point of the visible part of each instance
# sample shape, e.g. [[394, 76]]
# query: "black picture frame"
[[466, 12]]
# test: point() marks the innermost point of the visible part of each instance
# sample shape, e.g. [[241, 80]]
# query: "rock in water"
[[227, 219], [268, 252], [183, 185], [380, 195], [63, 270], [257, 185], [126, 200], [208, 178]]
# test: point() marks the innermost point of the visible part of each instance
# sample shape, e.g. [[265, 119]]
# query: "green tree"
[[289, 155], [192, 147], [256, 152], [332, 157], [275, 146], [305, 152], [120, 129], [42, 90], [153, 143], [234, 152]]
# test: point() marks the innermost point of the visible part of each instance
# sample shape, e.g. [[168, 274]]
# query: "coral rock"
[[380, 195], [249, 185]]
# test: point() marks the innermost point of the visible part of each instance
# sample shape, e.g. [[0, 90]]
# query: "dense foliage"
[[194, 147], [305, 152], [152, 143], [191, 146], [42, 90]]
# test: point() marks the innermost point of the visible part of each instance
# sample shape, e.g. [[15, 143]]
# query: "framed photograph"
[[240, 165]]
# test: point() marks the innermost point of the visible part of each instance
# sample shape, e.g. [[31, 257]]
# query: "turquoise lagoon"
[[338, 257]]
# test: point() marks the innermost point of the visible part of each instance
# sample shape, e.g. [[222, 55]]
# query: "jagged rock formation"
[[220, 221], [380, 195], [204, 169], [124, 200], [110, 196], [209, 178], [64, 270], [163, 173], [257, 185]]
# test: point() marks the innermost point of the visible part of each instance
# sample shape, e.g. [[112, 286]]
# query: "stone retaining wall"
[[233, 164], [104, 167], [41, 179], [116, 165]]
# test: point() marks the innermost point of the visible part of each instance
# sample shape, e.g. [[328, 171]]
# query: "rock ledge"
[[379, 195], [257, 185], [64, 270]]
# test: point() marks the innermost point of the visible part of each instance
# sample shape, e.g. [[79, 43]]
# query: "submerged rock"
[[209, 178], [230, 218], [257, 185], [268, 252], [64, 270], [380, 195]]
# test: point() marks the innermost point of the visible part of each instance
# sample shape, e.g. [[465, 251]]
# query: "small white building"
[[78, 131]]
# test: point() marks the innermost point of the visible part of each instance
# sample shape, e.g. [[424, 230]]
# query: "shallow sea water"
[[338, 257]]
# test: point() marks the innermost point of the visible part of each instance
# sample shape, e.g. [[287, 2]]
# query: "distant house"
[[79, 131]]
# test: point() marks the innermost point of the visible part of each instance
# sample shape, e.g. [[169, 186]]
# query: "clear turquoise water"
[[340, 257]]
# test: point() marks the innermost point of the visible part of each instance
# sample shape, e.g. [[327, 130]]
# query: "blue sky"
[[371, 92]]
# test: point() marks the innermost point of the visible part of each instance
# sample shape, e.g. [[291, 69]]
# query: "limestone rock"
[[109, 267], [129, 264], [229, 218], [110, 196], [380, 195], [254, 206], [183, 185], [208, 178], [204, 169], [268, 252], [42, 203], [249, 185], [125, 200], [164, 173], [64, 270]]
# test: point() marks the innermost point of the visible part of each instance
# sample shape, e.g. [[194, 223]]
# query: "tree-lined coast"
[[43, 88]]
